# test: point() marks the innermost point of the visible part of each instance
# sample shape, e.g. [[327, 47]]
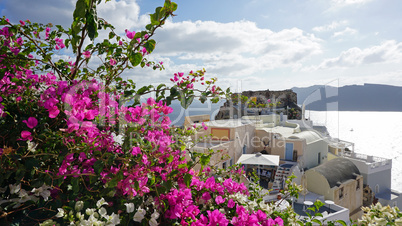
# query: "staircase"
[[281, 175]]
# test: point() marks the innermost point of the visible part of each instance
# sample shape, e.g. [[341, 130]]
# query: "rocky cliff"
[[283, 100]]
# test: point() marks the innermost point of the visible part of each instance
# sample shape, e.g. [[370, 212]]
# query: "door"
[[289, 152]]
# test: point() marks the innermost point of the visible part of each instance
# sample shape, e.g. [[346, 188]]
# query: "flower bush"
[[78, 146]]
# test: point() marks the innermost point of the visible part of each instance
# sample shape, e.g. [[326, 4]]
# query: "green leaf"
[[203, 99], [160, 86], [151, 180], [187, 179], [205, 160], [186, 102], [80, 8], [31, 163], [20, 174], [173, 6], [135, 59], [92, 24], [48, 179], [98, 166], [142, 90], [150, 45], [167, 184], [75, 182], [317, 221], [161, 189], [341, 222]]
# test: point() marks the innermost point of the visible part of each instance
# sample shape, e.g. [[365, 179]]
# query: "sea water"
[[373, 133]]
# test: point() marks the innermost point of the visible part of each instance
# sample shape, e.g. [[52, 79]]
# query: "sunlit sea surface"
[[373, 133]]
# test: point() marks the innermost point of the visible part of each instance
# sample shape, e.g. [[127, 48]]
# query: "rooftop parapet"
[[372, 163]]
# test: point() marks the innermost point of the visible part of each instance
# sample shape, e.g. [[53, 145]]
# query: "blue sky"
[[257, 44]]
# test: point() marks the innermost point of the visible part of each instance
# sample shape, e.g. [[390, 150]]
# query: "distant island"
[[367, 97]]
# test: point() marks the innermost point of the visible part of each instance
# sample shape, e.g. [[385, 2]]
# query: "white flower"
[[113, 219], [94, 221], [45, 194], [60, 213], [102, 211], [101, 202], [31, 146], [49, 222], [139, 215], [84, 223], [130, 207], [153, 222], [90, 211], [79, 205], [155, 215], [23, 196], [42, 191], [80, 216], [14, 188], [118, 138]]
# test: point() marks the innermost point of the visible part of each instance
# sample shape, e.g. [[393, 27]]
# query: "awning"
[[259, 159]]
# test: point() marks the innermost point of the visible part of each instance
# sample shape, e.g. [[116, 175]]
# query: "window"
[[340, 193], [357, 184], [319, 158], [244, 149], [231, 162], [224, 165], [377, 189]]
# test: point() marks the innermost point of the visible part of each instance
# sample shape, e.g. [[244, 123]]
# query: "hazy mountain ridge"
[[367, 97]]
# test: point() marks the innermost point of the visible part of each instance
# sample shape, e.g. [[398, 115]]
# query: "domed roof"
[[337, 171], [309, 136]]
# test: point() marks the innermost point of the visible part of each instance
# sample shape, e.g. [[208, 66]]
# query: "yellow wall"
[[318, 184], [220, 133], [352, 198]]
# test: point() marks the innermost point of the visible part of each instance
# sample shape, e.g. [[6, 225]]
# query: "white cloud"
[[342, 3], [123, 15], [235, 49], [346, 31], [330, 27], [387, 52]]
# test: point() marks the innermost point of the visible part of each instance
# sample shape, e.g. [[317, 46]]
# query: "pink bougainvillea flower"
[[204, 126], [130, 34], [231, 203], [219, 200], [87, 54], [279, 221], [22, 22], [135, 151], [112, 61], [53, 112], [215, 217], [269, 100], [31, 123], [26, 135], [144, 51], [120, 43]]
